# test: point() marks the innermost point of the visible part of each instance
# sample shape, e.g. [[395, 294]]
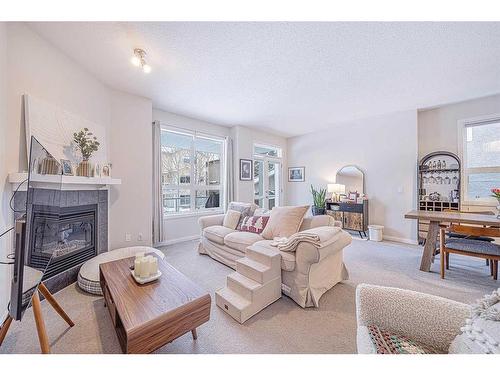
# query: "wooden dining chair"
[[470, 247]]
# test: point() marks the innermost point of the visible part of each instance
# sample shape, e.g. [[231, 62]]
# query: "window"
[[481, 159], [191, 172], [263, 150]]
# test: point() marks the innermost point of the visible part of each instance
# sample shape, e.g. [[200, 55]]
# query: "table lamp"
[[336, 190]]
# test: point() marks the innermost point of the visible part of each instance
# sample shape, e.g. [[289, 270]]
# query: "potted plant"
[[496, 194], [87, 144], [319, 201]]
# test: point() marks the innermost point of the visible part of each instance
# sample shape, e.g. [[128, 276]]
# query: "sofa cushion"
[[231, 219], [241, 240], [316, 221], [287, 259], [216, 233], [246, 209], [284, 221], [254, 224]]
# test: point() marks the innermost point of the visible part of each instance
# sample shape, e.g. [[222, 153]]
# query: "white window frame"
[[265, 158], [462, 132], [192, 186]]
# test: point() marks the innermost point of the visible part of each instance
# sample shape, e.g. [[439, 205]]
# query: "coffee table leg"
[[430, 246], [195, 335]]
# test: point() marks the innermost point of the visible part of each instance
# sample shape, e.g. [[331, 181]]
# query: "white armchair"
[[427, 319]]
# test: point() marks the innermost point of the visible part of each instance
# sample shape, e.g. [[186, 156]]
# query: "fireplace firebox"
[[61, 237]]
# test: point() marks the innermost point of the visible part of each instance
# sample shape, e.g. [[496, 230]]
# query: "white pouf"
[[88, 277]]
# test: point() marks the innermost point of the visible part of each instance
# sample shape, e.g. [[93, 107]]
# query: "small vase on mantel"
[[84, 169]]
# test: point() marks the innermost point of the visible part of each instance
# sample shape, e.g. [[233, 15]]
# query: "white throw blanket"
[[318, 237]]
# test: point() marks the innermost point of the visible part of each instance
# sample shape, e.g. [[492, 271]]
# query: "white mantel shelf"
[[62, 182]]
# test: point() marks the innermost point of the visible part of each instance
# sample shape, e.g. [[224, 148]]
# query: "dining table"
[[437, 218]]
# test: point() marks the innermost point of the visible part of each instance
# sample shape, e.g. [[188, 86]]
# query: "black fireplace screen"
[[64, 236]]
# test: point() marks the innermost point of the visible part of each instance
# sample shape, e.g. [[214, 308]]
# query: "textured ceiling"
[[290, 78]]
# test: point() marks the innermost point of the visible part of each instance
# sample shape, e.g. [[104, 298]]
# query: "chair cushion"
[[386, 342], [473, 246], [480, 238], [241, 240], [284, 221], [88, 276], [216, 233]]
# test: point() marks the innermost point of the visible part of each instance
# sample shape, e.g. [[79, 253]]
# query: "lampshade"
[[336, 188]]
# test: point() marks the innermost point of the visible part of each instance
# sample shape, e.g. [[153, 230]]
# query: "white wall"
[[384, 147], [244, 139], [438, 129], [5, 217], [131, 141]]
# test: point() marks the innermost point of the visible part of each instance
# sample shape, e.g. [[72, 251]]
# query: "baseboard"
[[400, 239], [177, 240]]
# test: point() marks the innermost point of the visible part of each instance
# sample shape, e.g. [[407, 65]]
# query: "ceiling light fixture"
[[139, 59]]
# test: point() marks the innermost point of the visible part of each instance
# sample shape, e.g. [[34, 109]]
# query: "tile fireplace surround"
[[74, 198]]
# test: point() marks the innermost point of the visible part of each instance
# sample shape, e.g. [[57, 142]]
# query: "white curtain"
[[157, 203], [229, 172]]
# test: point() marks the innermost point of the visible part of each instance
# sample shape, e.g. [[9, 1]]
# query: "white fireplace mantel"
[[62, 182]]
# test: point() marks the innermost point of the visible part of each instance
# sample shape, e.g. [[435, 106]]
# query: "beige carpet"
[[283, 327]]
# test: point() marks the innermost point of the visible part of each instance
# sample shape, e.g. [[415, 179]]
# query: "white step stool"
[[254, 286]]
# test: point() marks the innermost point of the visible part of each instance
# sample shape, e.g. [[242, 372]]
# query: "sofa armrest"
[[307, 254], [208, 221], [428, 319]]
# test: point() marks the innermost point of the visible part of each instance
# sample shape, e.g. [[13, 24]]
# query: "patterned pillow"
[[254, 224], [246, 209], [389, 343]]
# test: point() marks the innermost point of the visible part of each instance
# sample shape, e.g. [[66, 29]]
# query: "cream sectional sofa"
[[307, 273]]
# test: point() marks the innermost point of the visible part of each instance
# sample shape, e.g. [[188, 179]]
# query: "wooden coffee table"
[[146, 317]]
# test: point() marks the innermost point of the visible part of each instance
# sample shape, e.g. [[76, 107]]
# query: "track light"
[[139, 59]]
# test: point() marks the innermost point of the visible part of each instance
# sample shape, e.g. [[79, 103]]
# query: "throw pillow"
[[390, 343], [231, 219], [245, 209], [254, 224], [284, 221], [481, 333]]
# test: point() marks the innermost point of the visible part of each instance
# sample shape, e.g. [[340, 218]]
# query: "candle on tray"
[[137, 267], [144, 267]]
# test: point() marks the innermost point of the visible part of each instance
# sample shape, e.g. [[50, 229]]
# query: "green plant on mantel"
[[86, 142], [319, 197]]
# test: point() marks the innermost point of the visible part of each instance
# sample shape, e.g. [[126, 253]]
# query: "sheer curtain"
[[229, 172], [157, 203]]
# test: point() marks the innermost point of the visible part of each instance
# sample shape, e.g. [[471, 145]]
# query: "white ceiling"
[[289, 78]]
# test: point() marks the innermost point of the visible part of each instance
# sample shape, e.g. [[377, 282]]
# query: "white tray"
[[145, 280]]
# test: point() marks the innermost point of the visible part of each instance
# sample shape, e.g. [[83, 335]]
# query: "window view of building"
[[191, 171], [482, 159]]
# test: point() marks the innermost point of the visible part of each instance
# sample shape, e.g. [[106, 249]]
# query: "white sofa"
[[307, 273]]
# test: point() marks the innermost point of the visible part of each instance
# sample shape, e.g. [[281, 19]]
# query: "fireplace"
[[63, 236], [76, 223]]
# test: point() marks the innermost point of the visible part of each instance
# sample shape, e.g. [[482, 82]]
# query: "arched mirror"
[[352, 178]]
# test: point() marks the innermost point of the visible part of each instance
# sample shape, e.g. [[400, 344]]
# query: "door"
[[267, 182]]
